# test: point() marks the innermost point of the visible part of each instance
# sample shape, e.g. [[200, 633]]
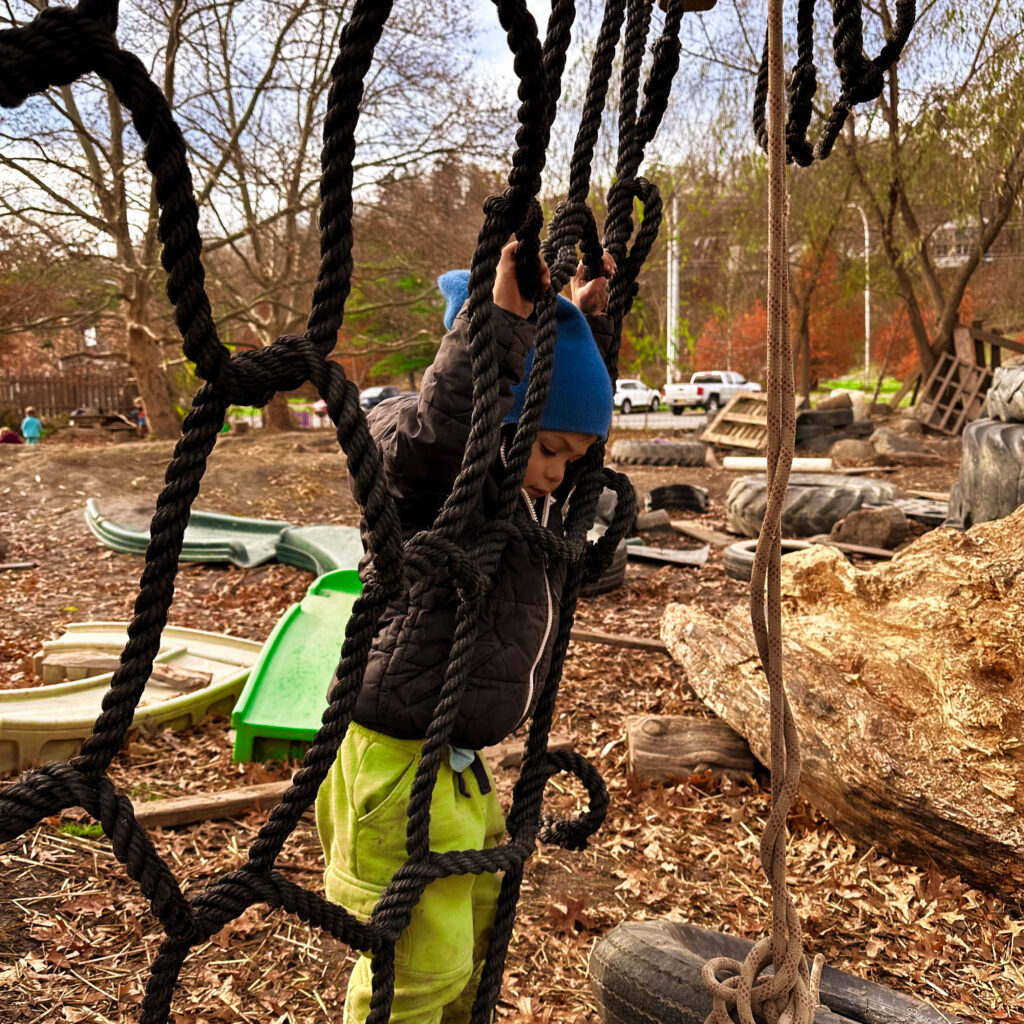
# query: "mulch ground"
[[76, 939]]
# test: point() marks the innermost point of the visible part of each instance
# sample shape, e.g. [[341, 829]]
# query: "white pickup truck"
[[710, 390]]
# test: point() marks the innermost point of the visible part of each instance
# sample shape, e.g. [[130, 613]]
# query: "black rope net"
[[63, 44]]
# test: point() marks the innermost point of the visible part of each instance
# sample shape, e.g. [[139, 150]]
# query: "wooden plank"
[[229, 803], [704, 533], [17, 565], [931, 495], [855, 549], [999, 340], [597, 636]]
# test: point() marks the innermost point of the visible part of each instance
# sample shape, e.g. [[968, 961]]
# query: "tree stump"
[[665, 747]]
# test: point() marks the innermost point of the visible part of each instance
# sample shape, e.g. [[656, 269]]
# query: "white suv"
[[633, 394]]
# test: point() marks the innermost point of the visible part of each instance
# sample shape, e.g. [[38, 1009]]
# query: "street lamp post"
[[867, 292]]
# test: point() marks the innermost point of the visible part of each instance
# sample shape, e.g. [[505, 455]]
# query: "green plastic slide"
[[279, 711], [209, 537], [202, 672], [213, 537]]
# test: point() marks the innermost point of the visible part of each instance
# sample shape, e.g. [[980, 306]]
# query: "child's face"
[[552, 452]]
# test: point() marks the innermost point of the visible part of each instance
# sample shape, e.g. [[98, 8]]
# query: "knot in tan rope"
[[789, 994]]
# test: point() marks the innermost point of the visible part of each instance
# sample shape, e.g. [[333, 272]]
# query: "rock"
[[907, 685], [873, 527], [852, 450], [946, 447], [659, 519], [858, 401], [903, 450], [836, 400], [907, 427]]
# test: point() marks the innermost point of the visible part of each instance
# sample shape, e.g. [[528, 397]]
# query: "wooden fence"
[[59, 396]]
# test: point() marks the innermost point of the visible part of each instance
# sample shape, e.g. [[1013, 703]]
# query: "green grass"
[[73, 828], [855, 382]]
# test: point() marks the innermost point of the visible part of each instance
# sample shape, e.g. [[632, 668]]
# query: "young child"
[[8, 436], [141, 422], [31, 426], [362, 806]]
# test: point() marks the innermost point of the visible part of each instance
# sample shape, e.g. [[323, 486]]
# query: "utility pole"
[[867, 292], [672, 297]]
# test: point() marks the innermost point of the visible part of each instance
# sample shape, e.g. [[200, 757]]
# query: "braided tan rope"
[[789, 995]]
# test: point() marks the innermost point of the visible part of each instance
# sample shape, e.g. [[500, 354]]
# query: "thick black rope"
[[60, 46], [861, 78]]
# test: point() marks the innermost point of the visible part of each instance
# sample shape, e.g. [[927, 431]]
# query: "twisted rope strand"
[[57, 48]]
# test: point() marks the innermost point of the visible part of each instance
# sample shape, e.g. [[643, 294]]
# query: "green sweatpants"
[[361, 813]]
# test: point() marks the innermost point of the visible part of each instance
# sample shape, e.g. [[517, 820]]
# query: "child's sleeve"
[[601, 328], [422, 441]]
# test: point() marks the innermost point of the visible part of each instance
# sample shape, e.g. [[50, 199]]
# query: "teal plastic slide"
[[213, 537], [279, 711], [209, 537]]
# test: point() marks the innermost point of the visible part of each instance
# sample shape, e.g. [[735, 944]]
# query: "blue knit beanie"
[[580, 393]]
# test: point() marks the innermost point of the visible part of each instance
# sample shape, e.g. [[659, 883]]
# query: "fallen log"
[[907, 685], [665, 747], [229, 803]]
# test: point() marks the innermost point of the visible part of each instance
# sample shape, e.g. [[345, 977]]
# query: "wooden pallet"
[[954, 394], [741, 423]]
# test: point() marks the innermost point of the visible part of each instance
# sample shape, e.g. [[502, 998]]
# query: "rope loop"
[[861, 79], [574, 833]]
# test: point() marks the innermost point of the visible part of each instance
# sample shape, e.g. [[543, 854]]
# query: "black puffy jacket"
[[421, 440]]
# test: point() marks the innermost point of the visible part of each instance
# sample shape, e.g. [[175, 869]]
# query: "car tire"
[[649, 972], [714, 403], [814, 503], [627, 407], [738, 558], [655, 404], [614, 576], [677, 410], [991, 483], [655, 453]]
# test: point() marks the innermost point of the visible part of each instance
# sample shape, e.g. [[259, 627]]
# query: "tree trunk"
[[907, 686], [147, 363], [277, 415]]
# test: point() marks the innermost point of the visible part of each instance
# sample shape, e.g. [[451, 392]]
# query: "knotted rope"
[[789, 994], [61, 45], [861, 78]]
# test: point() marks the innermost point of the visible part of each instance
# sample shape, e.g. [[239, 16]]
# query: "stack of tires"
[[991, 483]]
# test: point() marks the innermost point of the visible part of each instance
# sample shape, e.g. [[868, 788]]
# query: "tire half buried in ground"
[[738, 558], [649, 972], [814, 503], [659, 453]]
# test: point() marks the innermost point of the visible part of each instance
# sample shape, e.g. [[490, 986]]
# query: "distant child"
[[362, 805], [141, 421], [31, 426]]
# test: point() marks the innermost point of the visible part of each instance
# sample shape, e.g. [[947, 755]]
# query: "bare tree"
[[944, 154], [248, 81]]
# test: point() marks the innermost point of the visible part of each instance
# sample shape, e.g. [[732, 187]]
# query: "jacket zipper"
[[547, 592]]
